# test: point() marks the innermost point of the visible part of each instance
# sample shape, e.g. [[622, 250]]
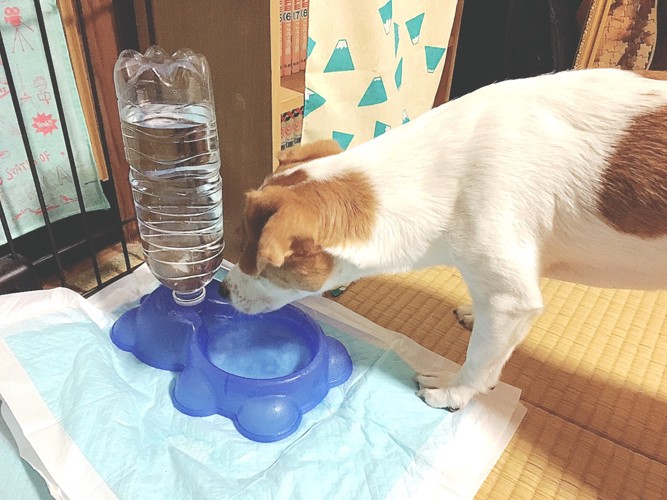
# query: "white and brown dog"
[[561, 175]]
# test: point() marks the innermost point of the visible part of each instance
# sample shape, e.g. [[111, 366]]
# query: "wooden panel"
[[279, 97], [104, 48], [295, 81], [235, 37], [141, 17], [77, 58], [291, 91], [445, 86], [289, 100]]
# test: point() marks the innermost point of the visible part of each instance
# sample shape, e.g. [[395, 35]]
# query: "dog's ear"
[[275, 218], [258, 211], [295, 155]]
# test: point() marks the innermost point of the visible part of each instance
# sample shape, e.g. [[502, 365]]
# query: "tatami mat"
[[551, 458], [592, 372]]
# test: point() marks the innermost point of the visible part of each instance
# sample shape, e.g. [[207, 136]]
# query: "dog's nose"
[[223, 290]]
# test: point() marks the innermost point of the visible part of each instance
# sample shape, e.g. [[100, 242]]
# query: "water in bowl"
[[258, 350]]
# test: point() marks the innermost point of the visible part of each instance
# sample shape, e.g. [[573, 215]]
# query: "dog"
[[561, 175]]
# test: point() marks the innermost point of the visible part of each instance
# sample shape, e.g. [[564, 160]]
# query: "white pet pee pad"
[[96, 423]]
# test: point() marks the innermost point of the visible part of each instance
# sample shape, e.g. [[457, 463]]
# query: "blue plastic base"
[[263, 372]]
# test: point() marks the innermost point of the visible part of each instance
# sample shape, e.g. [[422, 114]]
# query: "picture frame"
[[618, 33], [591, 18]]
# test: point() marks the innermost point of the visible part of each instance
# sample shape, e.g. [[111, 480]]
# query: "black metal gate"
[[26, 260]]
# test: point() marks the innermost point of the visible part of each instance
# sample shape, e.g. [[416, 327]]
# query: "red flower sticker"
[[44, 123]]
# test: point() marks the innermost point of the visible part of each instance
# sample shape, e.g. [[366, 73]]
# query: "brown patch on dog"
[[633, 198], [293, 156], [307, 268], [257, 214], [288, 228], [292, 218], [297, 155], [296, 177]]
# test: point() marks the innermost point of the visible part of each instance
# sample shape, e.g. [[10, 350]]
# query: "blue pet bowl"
[[157, 332], [262, 371]]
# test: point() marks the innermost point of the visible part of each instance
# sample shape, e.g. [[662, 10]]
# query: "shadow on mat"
[[602, 434]]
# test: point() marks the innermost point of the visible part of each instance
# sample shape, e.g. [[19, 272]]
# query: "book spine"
[[289, 130], [287, 38], [298, 124], [280, 38], [283, 141], [303, 34], [296, 35]]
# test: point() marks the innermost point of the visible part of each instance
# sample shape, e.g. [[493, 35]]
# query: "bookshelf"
[[290, 98], [289, 74]]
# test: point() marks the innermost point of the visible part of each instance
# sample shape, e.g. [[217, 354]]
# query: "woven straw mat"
[[592, 372]]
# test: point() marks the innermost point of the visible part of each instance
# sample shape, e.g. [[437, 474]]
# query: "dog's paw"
[[465, 316], [441, 390]]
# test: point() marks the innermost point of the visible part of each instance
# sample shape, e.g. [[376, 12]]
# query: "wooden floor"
[[80, 276]]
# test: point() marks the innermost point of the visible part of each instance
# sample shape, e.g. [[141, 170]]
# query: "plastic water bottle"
[[171, 143]]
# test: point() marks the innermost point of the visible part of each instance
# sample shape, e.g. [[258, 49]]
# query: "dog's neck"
[[390, 204]]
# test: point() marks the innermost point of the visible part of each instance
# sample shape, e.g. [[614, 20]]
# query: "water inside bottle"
[[175, 177]]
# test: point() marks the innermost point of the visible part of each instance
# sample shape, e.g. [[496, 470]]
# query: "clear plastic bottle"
[[171, 143]]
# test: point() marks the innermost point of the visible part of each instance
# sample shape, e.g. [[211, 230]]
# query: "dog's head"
[[290, 222]]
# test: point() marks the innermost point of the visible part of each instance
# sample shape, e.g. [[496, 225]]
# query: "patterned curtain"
[[21, 37], [372, 65]]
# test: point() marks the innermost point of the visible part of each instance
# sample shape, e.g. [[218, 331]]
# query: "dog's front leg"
[[502, 320]]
